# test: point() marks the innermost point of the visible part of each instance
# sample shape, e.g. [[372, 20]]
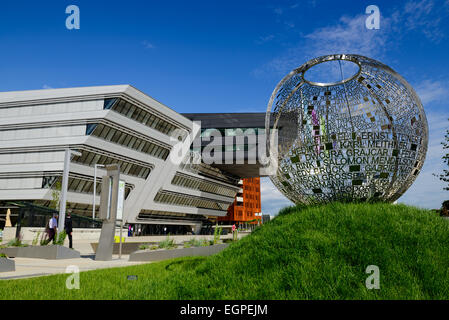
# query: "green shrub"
[[2, 255], [44, 239], [193, 243], [60, 238], [167, 243], [36, 239], [197, 243], [217, 234], [16, 242], [144, 247]]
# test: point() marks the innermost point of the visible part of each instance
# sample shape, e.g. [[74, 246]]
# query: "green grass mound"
[[319, 252]]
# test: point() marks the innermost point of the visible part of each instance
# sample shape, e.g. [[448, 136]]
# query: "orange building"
[[246, 204]]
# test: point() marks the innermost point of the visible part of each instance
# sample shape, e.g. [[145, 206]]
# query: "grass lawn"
[[318, 252]]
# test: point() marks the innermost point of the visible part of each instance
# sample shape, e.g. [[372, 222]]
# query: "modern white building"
[[109, 124]]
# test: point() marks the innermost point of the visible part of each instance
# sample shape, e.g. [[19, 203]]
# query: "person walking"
[[68, 228], [53, 228], [234, 232]]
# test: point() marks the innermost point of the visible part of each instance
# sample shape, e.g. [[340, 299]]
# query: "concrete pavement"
[[27, 267]]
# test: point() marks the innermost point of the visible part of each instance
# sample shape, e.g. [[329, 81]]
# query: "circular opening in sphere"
[[332, 72]]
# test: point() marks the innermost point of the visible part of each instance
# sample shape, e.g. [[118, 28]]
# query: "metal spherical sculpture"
[[362, 138]]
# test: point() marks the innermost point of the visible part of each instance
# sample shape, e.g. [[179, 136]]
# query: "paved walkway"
[[26, 267]]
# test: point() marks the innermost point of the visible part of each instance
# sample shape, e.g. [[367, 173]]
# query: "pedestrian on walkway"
[[68, 228], [53, 228]]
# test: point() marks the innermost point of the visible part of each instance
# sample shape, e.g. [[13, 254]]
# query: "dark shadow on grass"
[[183, 264]]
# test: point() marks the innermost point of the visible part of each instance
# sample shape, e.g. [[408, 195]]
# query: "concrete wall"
[[29, 233], [93, 235]]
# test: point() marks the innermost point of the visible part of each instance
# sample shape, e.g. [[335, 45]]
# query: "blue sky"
[[227, 56]]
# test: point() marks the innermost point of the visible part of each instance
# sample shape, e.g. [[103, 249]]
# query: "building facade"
[[247, 205], [110, 124]]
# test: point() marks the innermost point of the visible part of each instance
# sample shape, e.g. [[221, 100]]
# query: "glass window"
[[136, 113], [116, 137], [89, 158], [131, 110], [90, 187], [150, 121], [81, 186], [139, 145], [127, 140], [109, 103], [120, 106], [122, 138], [90, 128], [147, 173], [104, 132], [110, 134], [152, 149], [141, 116], [96, 158], [127, 168], [145, 118], [146, 147], [74, 184], [155, 123], [132, 142]]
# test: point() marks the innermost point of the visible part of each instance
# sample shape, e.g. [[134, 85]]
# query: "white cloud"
[[349, 35], [289, 24], [427, 191], [148, 45], [46, 87], [278, 11], [265, 39], [418, 15], [432, 91], [272, 199]]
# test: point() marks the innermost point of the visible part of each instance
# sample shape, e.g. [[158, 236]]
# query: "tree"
[[445, 175], [55, 194]]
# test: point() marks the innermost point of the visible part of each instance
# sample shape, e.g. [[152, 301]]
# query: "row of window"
[[252, 196], [248, 214], [202, 185], [226, 148], [250, 205], [207, 170], [252, 189], [116, 136], [90, 159], [232, 132], [78, 185], [76, 208], [189, 201], [156, 214], [137, 114]]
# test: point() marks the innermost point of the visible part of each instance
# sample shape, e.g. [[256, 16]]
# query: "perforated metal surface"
[[361, 138]]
